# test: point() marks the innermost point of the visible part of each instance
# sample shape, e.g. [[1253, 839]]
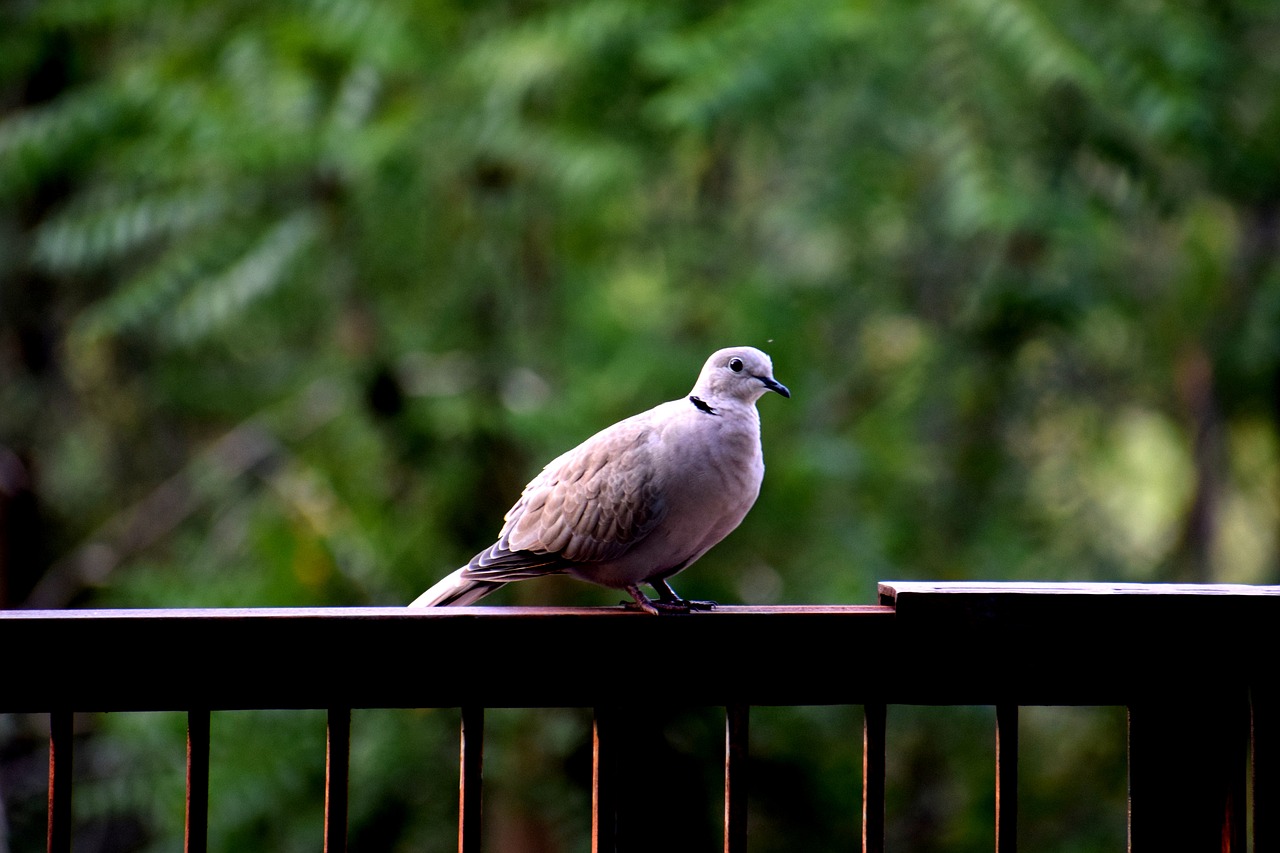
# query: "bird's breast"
[[718, 461]]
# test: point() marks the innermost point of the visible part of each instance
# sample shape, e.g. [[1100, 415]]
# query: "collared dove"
[[640, 500]]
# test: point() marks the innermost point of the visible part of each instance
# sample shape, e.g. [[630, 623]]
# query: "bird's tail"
[[455, 588]]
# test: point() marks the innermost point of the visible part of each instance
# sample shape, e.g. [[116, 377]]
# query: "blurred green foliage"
[[294, 298]]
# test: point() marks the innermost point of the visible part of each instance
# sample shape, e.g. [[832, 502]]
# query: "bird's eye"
[[735, 364]]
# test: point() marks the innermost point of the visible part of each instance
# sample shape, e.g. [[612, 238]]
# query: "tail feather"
[[455, 589]]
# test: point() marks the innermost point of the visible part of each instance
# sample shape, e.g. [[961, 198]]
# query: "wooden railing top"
[[927, 643], [1113, 608], [893, 589]]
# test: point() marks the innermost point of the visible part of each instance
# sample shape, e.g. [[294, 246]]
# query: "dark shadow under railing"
[[1155, 649]]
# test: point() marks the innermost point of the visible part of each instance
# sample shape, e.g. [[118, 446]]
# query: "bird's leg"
[[668, 601], [667, 597], [641, 600]]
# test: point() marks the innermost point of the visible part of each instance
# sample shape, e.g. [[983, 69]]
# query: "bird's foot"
[[668, 596], [647, 606], [686, 605], [666, 604]]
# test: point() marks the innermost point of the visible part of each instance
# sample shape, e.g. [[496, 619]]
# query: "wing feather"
[[589, 505]]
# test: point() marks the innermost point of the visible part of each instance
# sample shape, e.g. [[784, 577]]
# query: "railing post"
[[196, 831], [470, 780], [1265, 725], [1006, 779], [873, 777], [60, 766], [737, 729], [337, 769], [1187, 774]]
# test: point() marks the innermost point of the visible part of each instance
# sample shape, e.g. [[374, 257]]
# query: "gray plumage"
[[640, 500]]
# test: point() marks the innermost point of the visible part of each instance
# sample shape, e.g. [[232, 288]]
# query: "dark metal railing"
[[1195, 665]]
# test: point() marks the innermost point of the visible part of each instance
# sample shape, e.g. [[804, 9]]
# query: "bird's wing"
[[589, 505]]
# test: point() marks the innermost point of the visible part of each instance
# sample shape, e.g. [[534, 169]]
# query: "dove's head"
[[738, 373]]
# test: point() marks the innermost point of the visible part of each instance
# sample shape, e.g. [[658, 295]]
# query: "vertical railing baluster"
[[873, 777], [337, 770], [470, 780], [61, 757], [604, 782], [737, 730], [1265, 727], [196, 831], [1006, 778], [1187, 773]]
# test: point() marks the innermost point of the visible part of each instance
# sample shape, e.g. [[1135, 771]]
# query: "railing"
[[1195, 665]]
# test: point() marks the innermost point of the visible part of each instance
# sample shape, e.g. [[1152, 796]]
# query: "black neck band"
[[702, 405]]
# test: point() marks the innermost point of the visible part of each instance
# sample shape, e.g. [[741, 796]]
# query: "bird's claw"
[[668, 601], [680, 605]]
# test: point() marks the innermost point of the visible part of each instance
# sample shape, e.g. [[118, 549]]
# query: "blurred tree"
[[294, 297]]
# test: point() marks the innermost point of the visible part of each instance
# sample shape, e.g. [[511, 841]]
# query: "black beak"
[[774, 385]]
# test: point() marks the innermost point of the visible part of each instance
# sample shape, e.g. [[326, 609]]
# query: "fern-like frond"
[[380, 34], [44, 140], [976, 198], [217, 299], [199, 284], [139, 303], [512, 63], [1159, 77], [574, 164], [108, 230], [753, 54], [1042, 51]]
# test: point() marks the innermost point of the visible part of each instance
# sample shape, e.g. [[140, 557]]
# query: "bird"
[[640, 500]]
